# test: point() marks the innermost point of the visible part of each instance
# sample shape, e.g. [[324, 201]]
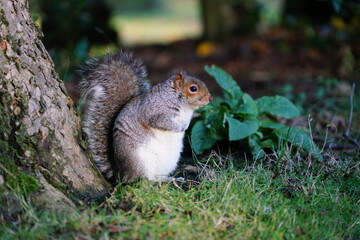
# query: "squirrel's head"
[[193, 90]]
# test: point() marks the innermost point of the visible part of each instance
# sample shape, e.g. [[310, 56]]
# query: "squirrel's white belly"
[[160, 155]]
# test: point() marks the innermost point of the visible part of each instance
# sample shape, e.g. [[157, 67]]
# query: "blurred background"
[[303, 49]]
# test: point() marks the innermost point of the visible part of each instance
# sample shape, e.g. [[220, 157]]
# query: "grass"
[[252, 201]]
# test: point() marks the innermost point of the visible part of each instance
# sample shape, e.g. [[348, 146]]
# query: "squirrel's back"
[[109, 81]]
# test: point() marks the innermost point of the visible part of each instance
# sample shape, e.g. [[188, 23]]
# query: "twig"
[[310, 133], [347, 132], [339, 146], [325, 141], [7, 171]]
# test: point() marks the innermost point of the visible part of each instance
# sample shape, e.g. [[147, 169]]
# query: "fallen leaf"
[[114, 228], [3, 45], [323, 212], [299, 230]]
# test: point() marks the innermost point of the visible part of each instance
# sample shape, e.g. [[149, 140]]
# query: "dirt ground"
[[261, 65]]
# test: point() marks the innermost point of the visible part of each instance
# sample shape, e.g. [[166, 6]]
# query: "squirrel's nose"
[[210, 98]]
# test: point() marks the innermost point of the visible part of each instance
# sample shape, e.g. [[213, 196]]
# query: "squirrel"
[[135, 130]]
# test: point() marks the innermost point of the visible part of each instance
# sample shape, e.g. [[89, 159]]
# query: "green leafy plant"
[[298, 98], [237, 116]]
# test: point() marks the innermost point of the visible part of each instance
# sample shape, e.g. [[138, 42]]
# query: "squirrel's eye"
[[193, 88]]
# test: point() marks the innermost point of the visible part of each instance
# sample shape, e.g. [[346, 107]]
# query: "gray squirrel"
[[135, 130]]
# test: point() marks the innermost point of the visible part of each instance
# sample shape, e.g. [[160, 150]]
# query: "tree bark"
[[217, 19], [39, 129], [225, 19]]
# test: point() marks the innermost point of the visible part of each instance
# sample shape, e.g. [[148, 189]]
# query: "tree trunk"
[[224, 19], [40, 131], [216, 18]]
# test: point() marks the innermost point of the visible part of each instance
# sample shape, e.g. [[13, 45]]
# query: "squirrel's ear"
[[178, 81]]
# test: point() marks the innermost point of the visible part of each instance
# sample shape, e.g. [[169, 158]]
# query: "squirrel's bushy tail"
[[106, 85]]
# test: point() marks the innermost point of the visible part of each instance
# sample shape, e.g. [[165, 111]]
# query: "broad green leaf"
[[277, 105], [225, 80], [255, 148], [259, 134], [227, 103], [240, 130], [270, 124], [248, 107], [267, 143], [299, 138], [200, 139], [248, 99], [215, 125]]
